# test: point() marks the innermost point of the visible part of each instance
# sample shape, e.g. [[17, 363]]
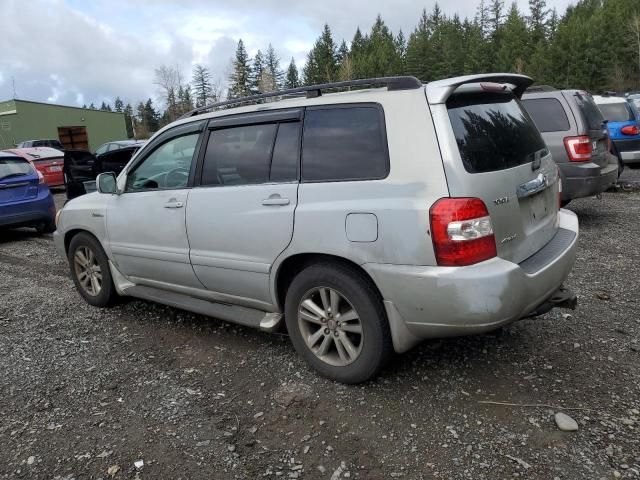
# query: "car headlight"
[[58, 216]]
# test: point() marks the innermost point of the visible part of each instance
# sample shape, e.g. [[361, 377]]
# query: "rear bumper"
[[629, 150], [29, 212], [429, 302], [585, 180]]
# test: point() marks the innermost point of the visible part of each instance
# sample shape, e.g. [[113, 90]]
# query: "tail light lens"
[[630, 130], [579, 148], [40, 177], [461, 231]]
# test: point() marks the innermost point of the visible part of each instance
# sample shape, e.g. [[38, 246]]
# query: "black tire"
[[107, 295], [376, 346], [46, 227]]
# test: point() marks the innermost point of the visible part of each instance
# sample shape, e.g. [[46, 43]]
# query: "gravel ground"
[[87, 393]]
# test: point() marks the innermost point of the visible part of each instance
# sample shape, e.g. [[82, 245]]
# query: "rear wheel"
[[46, 227], [337, 323], [90, 271]]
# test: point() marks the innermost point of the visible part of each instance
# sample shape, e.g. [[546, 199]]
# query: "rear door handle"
[[275, 200], [174, 204]]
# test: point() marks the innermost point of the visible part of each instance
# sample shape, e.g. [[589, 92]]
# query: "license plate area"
[[535, 209], [55, 169]]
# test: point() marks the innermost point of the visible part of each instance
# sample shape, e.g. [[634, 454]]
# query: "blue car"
[[624, 129], [25, 199]]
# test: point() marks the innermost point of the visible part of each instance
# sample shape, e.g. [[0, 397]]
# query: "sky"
[[76, 52]]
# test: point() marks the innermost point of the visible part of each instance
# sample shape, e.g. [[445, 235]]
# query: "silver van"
[[364, 220]]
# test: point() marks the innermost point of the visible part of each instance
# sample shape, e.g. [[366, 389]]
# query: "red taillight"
[[461, 231], [579, 148], [630, 130]]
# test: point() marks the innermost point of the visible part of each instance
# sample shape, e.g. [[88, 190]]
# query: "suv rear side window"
[[589, 111], [616, 112], [493, 131], [548, 114], [344, 143]]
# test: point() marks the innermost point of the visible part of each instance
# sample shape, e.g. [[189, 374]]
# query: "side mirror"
[[107, 183]]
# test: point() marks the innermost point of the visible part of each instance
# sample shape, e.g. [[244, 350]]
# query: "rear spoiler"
[[440, 90]]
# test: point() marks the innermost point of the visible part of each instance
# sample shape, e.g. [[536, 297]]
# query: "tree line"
[[594, 45]]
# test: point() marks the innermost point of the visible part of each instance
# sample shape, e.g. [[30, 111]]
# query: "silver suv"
[[364, 220]]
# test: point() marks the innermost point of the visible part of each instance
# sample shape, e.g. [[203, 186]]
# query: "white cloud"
[[72, 51]]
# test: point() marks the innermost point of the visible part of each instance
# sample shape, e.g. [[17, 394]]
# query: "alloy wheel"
[[88, 271], [330, 326]]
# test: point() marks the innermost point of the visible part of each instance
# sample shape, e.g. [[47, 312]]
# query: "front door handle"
[[275, 199], [174, 204]]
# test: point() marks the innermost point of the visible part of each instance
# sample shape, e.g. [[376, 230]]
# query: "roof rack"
[[541, 88], [313, 91]]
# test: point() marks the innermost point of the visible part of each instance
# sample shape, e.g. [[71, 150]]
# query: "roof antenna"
[[13, 82]]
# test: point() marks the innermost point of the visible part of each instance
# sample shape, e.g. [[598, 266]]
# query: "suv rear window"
[[548, 114], [616, 112], [493, 131], [589, 110], [344, 143]]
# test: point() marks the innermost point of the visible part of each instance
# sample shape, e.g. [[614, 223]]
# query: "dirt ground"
[[86, 393]]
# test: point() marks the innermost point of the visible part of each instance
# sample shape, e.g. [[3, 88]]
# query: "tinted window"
[[166, 167], [616, 112], [14, 167], [344, 144], [239, 155], [493, 131], [589, 110], [286, 153], [548, 114]]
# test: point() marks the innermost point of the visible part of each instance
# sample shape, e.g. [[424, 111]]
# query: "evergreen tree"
[[538, 21], [240, 79], [292, 80], [257, 71], [201, 81], [417, 56], [272, 67], [322, 64], [150, 117], [92, 106], [118, 105], [512, 54]]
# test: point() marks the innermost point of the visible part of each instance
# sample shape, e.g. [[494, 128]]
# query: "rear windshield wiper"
[[12, 175]]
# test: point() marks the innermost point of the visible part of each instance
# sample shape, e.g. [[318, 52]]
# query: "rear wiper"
[[12, 175]]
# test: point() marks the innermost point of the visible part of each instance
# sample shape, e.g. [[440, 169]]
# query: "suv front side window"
[[167, 167]]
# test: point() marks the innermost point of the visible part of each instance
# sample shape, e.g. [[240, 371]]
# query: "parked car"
[[396, 214], [48, 161], [574, 130], [111, 146], [623, 126], [49, 142], [25, 199], [81, 167], [634, 99]]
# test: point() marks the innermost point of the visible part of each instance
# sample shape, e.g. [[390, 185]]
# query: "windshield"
[[493, 131], [616, 112], [14, 167]]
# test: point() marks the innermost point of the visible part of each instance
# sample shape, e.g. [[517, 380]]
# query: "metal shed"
[[78, 128]]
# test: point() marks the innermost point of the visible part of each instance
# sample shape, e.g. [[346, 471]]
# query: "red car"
[[48, 161]]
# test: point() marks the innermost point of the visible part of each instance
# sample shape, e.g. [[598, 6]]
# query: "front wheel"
[[90, 271], [337, 323]]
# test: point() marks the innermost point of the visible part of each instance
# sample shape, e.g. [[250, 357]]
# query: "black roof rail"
[[541, 88], [313, 91]]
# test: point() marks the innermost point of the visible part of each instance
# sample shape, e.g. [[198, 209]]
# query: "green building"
[[75, 127]]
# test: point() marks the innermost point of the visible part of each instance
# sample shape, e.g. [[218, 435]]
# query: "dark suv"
[[575, 132]]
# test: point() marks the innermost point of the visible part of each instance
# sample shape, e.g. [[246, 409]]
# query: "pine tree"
[[240, 79], [343, 52], [128, 117], [292, 80], [272, 67], [118, 105], [512, 54], [538, 21], [257, 71], [416, 60], [92, 106], [322, 65], [201, 81]]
